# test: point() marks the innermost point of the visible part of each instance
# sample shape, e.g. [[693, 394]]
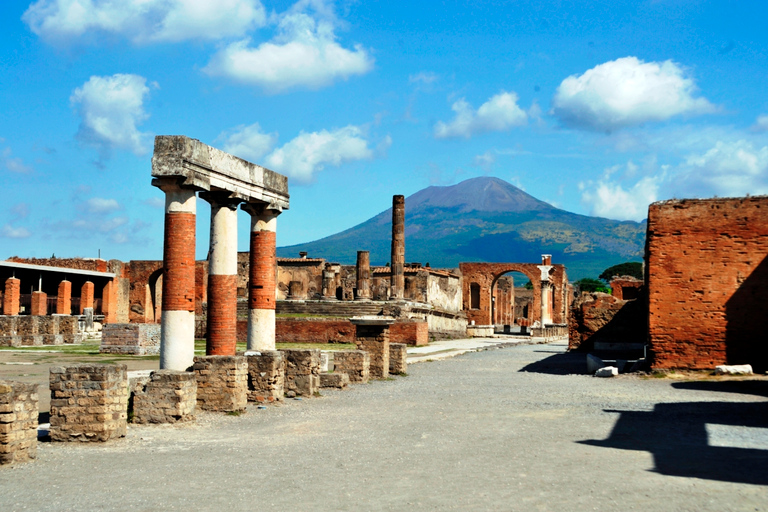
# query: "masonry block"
[[334, 380], [89, 402], [266, 376], [355, 363], [222, 383], [169, 396], [398, 356], [136, 339], [302, 372], [374, 339], [18, 421]]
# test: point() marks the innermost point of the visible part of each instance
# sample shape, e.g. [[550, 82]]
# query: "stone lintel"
[[197, 165], [372, 320]]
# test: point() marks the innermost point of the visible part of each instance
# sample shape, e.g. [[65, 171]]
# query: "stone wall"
[[89, 402], [601, 317], [314, 330], [222, 383], [266, 376], [302, 372], [374, 339], [708, 282], [355, 363], [398, 357], [19, 331], [18, 421], [136, 339], [168, 397]]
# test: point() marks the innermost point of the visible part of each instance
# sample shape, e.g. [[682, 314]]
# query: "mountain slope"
[[486, 219]]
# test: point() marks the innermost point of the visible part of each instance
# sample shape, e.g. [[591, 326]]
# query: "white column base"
[[261, 329], [177, 340]]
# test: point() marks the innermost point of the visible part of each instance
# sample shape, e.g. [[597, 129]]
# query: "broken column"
[[363, 270], [329, 282], [222, 275], [372, 335], [39, 304], [397, 286], [11, 296], [64, 298], [177, 339], [262, 290]]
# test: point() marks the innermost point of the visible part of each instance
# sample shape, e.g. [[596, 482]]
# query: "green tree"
[[588, 284], [630, 268]]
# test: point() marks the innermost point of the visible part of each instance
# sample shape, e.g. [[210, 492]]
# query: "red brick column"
[[86, 296], [177, 339], [64, 298], [109, 302], [11, 297], [39, 304], [222, 275], [262, 291], [397, 286]]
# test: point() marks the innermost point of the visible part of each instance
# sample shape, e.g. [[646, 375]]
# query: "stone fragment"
[[594, 363], [168, 397], [607, 371], [266, 375], [334, 380], [398, 355], [734, 369], [355, 363], [302, 371]]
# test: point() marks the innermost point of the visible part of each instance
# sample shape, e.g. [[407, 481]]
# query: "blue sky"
[[596, 107]]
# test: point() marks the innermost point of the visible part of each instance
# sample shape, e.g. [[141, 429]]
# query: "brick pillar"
[[86, 296], [64, 298], [397, 287], [177, 338], [222, 275], [363, 271], [11, 297], [39, 304], [262, 289], [109, 302]]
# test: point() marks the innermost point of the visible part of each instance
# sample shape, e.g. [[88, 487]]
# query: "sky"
[[597, 107]]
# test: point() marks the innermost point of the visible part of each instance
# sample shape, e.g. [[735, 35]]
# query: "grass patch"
[[234, 413], [401, 374]]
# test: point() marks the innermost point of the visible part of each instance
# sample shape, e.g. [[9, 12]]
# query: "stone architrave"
[[397, 286]]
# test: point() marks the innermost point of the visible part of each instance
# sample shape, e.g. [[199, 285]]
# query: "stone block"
[[334, 380], [266, 376], [222, 383], [89, 402], [355, 363], [302, 372], [607, 371], [136, 339], [169, 396], [398, 358], [374, 339], [18, 421], [734, 369]]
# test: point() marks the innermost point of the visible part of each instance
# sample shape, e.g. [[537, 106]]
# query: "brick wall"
[[605, 318], [18, 421], [708, 282]]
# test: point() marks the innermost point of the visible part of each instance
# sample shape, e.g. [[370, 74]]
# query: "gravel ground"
[[503, 429]]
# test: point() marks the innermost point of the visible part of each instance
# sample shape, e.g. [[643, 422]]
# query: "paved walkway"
[[505, 429], [443, 349]]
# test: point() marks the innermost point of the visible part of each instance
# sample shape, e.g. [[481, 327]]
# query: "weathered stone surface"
[[222, 383], [735, 369], [334, 380], [355, 363], [16, 331], [599, 317], [302, 372], [18, 421], [266, 376], [398, 356], [607, 371], [168, 397], [136, 339], [89, 402]]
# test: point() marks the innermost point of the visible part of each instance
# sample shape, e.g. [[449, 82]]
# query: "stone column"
[[363, 272], [177, 325], [39, 304], [329, 283], [397, 287], [262, 289], [546, 303], [86, 296], [222, 275], [64, 298], [11, 296]]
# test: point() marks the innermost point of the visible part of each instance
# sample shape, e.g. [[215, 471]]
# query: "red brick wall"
[[602, 317], [410, 333], [318, 330], [708, 282]]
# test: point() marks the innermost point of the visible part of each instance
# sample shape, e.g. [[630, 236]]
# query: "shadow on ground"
[[562, 363], [723, 441]]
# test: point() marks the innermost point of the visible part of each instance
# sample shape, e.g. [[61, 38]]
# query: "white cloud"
[[499, 113], [732, 168], [761, 124], [303, 54], [9, 231], [613, 201], [110, 108], [309, 153], [144, 21], [424, 77], [154, 202], [627, 92], [14, 164], [485, 161], [100, 205], [249, 142]]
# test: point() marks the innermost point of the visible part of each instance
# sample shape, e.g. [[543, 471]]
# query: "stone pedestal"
[[168, 397], [398, 357], [372, 335], [89, 402], [266, 376], [18, 421], [302, 372], [222, 383], [355, 363]]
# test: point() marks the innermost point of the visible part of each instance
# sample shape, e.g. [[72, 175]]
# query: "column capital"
[[221, 199], [169, 185], [269, 210]]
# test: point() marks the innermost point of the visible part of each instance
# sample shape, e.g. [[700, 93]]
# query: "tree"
[[588, 284], [630, 268]]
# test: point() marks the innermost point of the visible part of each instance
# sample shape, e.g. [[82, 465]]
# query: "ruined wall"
[[707, 276], [308, 272], [625, 287], [92, 264], [523, 303], [600, 317], [444, 290]]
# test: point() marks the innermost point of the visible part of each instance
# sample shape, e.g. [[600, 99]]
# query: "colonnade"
[[39, 306]]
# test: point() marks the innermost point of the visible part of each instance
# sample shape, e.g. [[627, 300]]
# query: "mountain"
[[486, 219]]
